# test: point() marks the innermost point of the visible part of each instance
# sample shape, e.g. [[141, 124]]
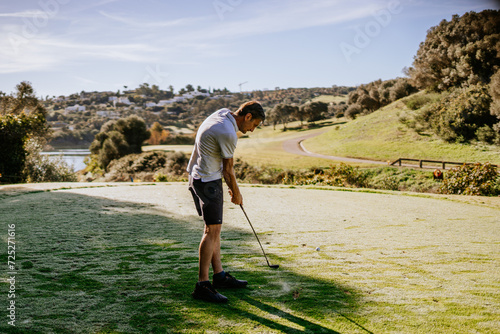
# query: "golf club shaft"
[[241, 206]]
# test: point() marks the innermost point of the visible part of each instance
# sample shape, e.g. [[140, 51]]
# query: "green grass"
[[123, 259], [264, 147], [330, 98], [381, 136]]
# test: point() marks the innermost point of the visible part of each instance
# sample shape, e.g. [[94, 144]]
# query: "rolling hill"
[[382, 136]]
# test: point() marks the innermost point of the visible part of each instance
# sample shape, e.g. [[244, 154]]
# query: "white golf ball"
[[317, 248]]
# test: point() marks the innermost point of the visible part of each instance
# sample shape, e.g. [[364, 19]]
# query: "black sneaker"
[[207, 293], [229, 282]]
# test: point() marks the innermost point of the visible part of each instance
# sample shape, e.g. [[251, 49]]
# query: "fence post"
[[420, 163], [444, 165]]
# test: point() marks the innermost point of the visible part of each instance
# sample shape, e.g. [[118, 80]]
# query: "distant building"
[[123, 100], [108, 114], [191, 95], [75, 108], [161, 103]]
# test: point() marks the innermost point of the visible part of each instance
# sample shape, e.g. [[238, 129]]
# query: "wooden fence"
[[422, 161]]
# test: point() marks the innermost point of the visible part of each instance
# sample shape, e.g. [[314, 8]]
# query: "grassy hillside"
[[381, 136], [378, 136], [264, 147], [330, 98]]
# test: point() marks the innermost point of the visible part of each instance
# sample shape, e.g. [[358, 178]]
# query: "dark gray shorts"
[[208, 199]]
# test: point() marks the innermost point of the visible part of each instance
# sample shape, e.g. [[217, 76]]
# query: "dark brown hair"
[[252, 107]]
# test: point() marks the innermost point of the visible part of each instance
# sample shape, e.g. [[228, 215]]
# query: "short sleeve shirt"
[[216, 140]]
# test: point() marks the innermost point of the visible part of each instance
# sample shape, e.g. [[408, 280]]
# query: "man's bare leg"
[[209, 252]]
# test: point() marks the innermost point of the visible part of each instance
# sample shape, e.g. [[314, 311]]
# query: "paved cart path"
[[296, 146]]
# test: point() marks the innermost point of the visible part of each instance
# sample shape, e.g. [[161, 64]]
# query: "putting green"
[[122, 258]]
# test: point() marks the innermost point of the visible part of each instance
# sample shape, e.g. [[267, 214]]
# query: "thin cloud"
[[147, 25], [27, 14], [281, 19]]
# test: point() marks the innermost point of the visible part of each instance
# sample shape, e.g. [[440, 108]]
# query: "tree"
[[281, 113], [22, 117], [23, 101], [158, 134], [353, 110], [119, 138], [144, 89], [368, 103], [495, 103], [272, 117], [459, 115], [314, 111], [461, 52]]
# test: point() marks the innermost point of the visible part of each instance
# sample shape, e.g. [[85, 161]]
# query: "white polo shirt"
[[216, 140]]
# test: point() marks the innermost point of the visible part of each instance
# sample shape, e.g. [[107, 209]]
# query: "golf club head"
[[274, 266]]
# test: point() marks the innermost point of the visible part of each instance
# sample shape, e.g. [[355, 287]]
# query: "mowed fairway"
[[122, 258]]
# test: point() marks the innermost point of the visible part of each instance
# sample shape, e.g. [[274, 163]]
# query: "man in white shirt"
[[212, 159]]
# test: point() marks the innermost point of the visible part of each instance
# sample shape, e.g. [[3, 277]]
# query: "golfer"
[[211, 160]]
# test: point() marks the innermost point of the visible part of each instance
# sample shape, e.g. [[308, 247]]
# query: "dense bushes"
[[22, 118], [148, 166], [15, 130], [458, 116], [460, 58], [117, 139], [495, 101], [370, 97], [41, 168], [342, 175], [477, 179], [458, 53], [461, 115]]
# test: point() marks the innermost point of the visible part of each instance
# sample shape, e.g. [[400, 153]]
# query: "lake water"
[[74, 157]]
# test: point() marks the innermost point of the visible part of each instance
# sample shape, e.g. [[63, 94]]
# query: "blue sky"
[[66, 46]]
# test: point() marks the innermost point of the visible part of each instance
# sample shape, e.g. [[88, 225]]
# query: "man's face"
[[249, 124]]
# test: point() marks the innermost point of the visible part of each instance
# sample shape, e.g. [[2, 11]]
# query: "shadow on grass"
[[93, 265]]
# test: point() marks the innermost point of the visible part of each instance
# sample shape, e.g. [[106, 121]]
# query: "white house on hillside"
[[108, 113], [124, 100], [74, 108]]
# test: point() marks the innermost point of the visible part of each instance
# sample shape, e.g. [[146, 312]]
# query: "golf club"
[[274, 266]]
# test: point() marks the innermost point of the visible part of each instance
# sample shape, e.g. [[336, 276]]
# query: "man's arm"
[[230, 178]]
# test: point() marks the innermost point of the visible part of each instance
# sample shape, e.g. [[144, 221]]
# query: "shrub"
[[149, 165], [348, 175], [458, 116], [486, 134], [417, 101], [41, 168], [160, 177], [403, 179], [353, 110], [477, 179], [119, 138], [22, 117], [458, 52]]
